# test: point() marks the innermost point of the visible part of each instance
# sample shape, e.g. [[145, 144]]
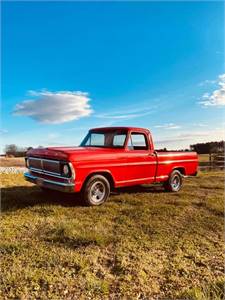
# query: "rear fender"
[[182, 170]]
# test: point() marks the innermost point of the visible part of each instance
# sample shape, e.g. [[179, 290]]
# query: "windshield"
[[105, 139]]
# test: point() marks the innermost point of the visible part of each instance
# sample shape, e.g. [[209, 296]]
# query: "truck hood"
[[69, 153]]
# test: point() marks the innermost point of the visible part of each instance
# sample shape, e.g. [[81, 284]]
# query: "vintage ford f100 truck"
[[109, 158]]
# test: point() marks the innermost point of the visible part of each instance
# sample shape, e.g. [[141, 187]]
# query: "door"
[[141, 159]]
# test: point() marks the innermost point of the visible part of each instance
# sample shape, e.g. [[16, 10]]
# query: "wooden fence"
[[216, 161]]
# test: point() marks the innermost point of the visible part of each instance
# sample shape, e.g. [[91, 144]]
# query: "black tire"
[[174, 183], [95, 191]]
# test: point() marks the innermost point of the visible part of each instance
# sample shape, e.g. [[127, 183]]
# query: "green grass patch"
[[141, 244]]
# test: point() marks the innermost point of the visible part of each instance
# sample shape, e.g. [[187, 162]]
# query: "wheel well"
[[181, 170], [107, 175]]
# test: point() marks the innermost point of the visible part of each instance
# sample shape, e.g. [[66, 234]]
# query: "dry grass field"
[[141, 244], [12, 162], [203, 158]]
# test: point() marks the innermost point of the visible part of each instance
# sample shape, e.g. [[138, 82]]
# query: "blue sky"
[[70, 66]]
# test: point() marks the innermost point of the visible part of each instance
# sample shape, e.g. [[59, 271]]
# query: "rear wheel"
[[174, 183], [96, 191]]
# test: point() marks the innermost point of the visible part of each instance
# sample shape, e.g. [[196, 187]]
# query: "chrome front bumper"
[[50, 184]]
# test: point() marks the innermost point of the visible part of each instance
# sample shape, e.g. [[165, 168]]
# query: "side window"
[[97, 139], [138, 142], [118, 140]]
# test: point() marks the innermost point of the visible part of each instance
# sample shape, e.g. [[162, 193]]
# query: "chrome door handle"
[[151, 154]]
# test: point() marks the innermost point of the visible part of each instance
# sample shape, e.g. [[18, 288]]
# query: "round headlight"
[[66, 170]]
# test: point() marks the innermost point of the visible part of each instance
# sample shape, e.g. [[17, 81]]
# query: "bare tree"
[[11, 149]]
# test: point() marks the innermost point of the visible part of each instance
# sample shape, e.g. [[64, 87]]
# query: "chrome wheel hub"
[[176, 182], [97, 191]]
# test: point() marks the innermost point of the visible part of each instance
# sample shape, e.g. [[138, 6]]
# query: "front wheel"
[[174, 183], [96, 191]]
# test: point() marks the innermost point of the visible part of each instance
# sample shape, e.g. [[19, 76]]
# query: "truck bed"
[[185, 161]]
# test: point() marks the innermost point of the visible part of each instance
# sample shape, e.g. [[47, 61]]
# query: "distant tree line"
[[13, 150], [210, 147]]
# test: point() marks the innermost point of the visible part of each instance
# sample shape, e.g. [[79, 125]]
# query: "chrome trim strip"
[[72, 171], [138, 179], [47, 173], [176, 161], [119, 164], [161, 154], [28, 175], [162, 176], [37, 158], [138, 163]]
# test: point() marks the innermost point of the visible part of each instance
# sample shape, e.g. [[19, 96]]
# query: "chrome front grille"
[[51, 166], [35, 163], [44, 165]]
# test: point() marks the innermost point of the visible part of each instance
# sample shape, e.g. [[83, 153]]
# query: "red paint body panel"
[[126, 167]]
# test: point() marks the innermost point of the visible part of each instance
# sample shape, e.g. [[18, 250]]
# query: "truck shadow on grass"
[[18, 197]]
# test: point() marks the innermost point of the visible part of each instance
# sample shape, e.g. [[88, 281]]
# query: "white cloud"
[[200, 125], [169, 126], [55, 107], [125, 116], [207, 82], [216, 98]]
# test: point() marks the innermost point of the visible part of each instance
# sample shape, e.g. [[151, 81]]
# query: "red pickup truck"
[[108, 158]]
